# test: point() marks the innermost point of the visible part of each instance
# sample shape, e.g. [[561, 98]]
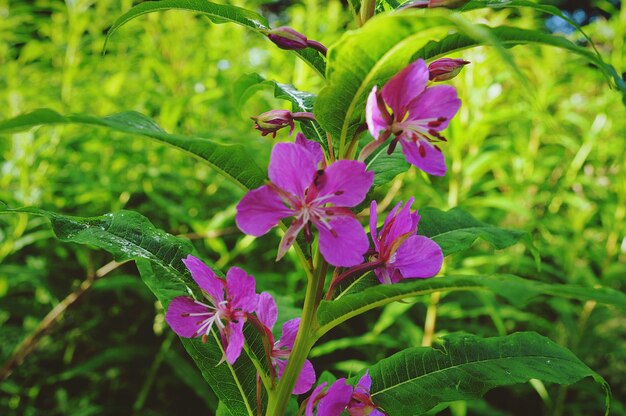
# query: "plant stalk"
[[305, 339]]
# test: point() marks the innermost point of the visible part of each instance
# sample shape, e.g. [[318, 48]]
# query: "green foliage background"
[[549, 159]]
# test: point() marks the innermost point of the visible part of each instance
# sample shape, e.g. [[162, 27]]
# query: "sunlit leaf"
[[514, 289], [231, 160]]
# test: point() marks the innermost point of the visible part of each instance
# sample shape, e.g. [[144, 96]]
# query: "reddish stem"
[[355, 271]]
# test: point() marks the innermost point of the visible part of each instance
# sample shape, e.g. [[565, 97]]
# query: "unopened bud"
[[287, 38], [272, 121], [445, 69]]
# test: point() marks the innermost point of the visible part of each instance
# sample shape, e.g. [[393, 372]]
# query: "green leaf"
[[514, 289], [301, 101], [231, 160], [130, 236], [456, 230], [218, 13], [125, 234], [387, 167], [508, 36], [465, 367], [374, 53]]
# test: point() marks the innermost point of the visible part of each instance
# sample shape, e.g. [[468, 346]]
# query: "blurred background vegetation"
[[549, 159]]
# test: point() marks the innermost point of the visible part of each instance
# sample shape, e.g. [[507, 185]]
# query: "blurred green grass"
[[550, 161]]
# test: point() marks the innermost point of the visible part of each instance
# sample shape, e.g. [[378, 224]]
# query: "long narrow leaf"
[[231, 160]]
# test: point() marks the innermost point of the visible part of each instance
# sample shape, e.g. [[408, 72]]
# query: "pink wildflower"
[[403, 253], [191, 318], [415, 114], [299, 188]]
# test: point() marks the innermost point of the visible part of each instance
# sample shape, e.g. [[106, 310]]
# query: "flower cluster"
[[319, 195]]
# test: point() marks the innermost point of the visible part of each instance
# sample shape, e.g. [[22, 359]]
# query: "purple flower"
[[415, 114], [445, 69], [403, 254], [341, 396], [228, 303], [281, 349], [300, 189]]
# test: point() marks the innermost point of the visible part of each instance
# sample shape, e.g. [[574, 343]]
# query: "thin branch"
[[31, 342]]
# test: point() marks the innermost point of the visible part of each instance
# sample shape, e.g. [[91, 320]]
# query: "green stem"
[[305, 339]]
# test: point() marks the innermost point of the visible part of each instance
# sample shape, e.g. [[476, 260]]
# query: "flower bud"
[[445, 69], [272, 121], [287, 38]]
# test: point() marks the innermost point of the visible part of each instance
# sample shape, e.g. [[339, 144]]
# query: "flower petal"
[[433, 103], [266, 310], [430, 160], [178, 318], [365, 383], [404, 87], [346, 244], [373, 117], [241, 289], [401, 223], [419, 256], [346, 183], [306, 379], [292, 167], [288, 335], [310, 404], [205, 278], [314, 147], [234, 340], [388, 274], [336, 399], [290, 237], [260, 210]]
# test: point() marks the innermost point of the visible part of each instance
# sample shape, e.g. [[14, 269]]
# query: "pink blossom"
[[341, 396], [414, 114], [403, 254], [281, 349], [228, 302], [302, 188]]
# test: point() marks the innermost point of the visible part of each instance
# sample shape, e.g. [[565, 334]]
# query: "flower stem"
[[368, 9], [305, 339]]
